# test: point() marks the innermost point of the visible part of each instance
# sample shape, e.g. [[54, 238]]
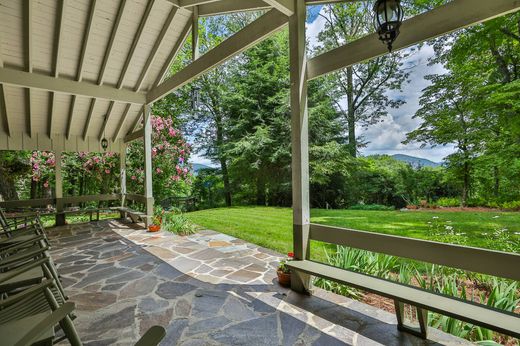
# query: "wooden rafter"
[[79, 74], [153, 54], [104, 63], [284, 6], [231, 6], [69, 87], [191, 3], [455, 15], [255, 32], [58, 32], [122, 77], [122, 121], [28, 10]]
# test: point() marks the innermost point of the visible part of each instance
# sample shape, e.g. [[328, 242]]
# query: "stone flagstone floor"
[[205, 289]]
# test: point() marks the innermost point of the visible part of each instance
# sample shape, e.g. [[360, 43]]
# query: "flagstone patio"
[[206, 289]]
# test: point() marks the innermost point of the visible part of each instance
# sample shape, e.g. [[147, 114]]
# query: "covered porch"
[[206, 289]]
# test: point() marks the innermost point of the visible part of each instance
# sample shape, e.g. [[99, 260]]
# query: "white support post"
[[195, 34], [148, 192], [122, 173], [299, 142], [58, 189]]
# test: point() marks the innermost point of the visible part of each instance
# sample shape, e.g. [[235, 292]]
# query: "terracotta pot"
[[154, 228], [283, 278]]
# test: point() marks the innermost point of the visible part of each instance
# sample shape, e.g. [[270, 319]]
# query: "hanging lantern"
[[195, 98], [104, 144], [388, 16]]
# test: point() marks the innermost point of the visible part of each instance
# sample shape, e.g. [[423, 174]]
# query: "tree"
[[360, 91]]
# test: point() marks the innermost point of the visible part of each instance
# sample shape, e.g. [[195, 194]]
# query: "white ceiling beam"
[[58, 32], [255, 32], [28, 10], [79, 73], [191, 3], [122, 121], [284, 6], [69, 87], [129, 57], [108, 53], [231, 6], [158, 43], [442, 20]]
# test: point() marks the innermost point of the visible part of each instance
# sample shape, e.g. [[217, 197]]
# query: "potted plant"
[[284, 272], [156, 220]]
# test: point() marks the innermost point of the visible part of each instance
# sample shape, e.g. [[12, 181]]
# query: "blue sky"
[[386, 136]]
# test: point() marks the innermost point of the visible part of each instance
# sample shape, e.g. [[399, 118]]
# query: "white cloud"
[[386, 137]]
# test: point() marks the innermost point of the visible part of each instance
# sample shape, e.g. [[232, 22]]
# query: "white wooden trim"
[[195, 53], [89, 117], [231, 6], [255, 32], [122, 171], [66, 86], [86, 39], [284, 6], [122, 121], [156, 47], [299, 141], [439, 21], [28, 11], [111, 41], [190, 3], [56, 59], [3, 108], [148, 187]]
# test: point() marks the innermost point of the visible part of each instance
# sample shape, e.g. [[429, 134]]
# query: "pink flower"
[[158, 170], [46, 184], [107, 171], [134, 177]]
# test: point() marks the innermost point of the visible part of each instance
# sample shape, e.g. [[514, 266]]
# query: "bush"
[[372, 207], [448, 202], [178, 223], [514, 205]]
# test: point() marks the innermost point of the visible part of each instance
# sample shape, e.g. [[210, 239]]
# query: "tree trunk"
[[260, 189], [465, 185], [222, 160], [351, 119], [7, 186], [34, 189], [496, 177]]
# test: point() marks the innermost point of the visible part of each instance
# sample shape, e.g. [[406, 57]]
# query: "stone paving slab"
[[205, 289]]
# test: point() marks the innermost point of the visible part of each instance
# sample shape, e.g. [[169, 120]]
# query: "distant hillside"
[[198, 166], [415, 161]]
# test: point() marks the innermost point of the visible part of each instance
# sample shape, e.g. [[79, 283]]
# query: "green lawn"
[[272, 227]]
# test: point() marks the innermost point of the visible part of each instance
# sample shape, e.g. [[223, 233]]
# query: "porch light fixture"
[[195, 98], [388, 16], [104, 141]]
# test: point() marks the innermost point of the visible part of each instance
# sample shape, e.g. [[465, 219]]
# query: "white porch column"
[[122, 172], [148, 193], [58, 188], [299, 142]]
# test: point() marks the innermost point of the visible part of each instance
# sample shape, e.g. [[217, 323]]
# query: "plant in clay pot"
[[156, 220], [284, 272]]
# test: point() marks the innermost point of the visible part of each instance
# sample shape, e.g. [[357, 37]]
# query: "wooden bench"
[[135, 216], [487, 317]]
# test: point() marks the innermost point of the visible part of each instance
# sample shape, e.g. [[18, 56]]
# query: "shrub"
[[176, 222], [514, 205], [448, 202], [372, 207]]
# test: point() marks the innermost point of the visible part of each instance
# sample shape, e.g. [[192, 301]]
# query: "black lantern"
[[104, 144], [195, 98], [388, 17]]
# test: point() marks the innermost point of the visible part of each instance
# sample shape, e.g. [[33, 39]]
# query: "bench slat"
[[499, 321]]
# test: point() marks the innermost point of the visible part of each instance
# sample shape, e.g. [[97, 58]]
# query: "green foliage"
[[448, 202], [371, 207], [176, 222]]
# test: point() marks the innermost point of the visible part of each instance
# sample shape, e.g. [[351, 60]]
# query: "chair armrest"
[[22, 269], [152, 337], [53, 319], [34, 290]]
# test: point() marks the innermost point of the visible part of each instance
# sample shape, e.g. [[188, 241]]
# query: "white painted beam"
[[231, 6], [28, 11], [255, 32], [158, 43], [442, 20], [134, 135], [284, 6], [148, 187], [3, 107], [69, 87], [299, 141], [79, 72], [56, 59], [191, 3], [89, 118]]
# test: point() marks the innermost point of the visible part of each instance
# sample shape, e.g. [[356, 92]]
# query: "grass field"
[[272, 227]]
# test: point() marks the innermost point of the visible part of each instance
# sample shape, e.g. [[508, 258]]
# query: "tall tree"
[[361, 91]]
